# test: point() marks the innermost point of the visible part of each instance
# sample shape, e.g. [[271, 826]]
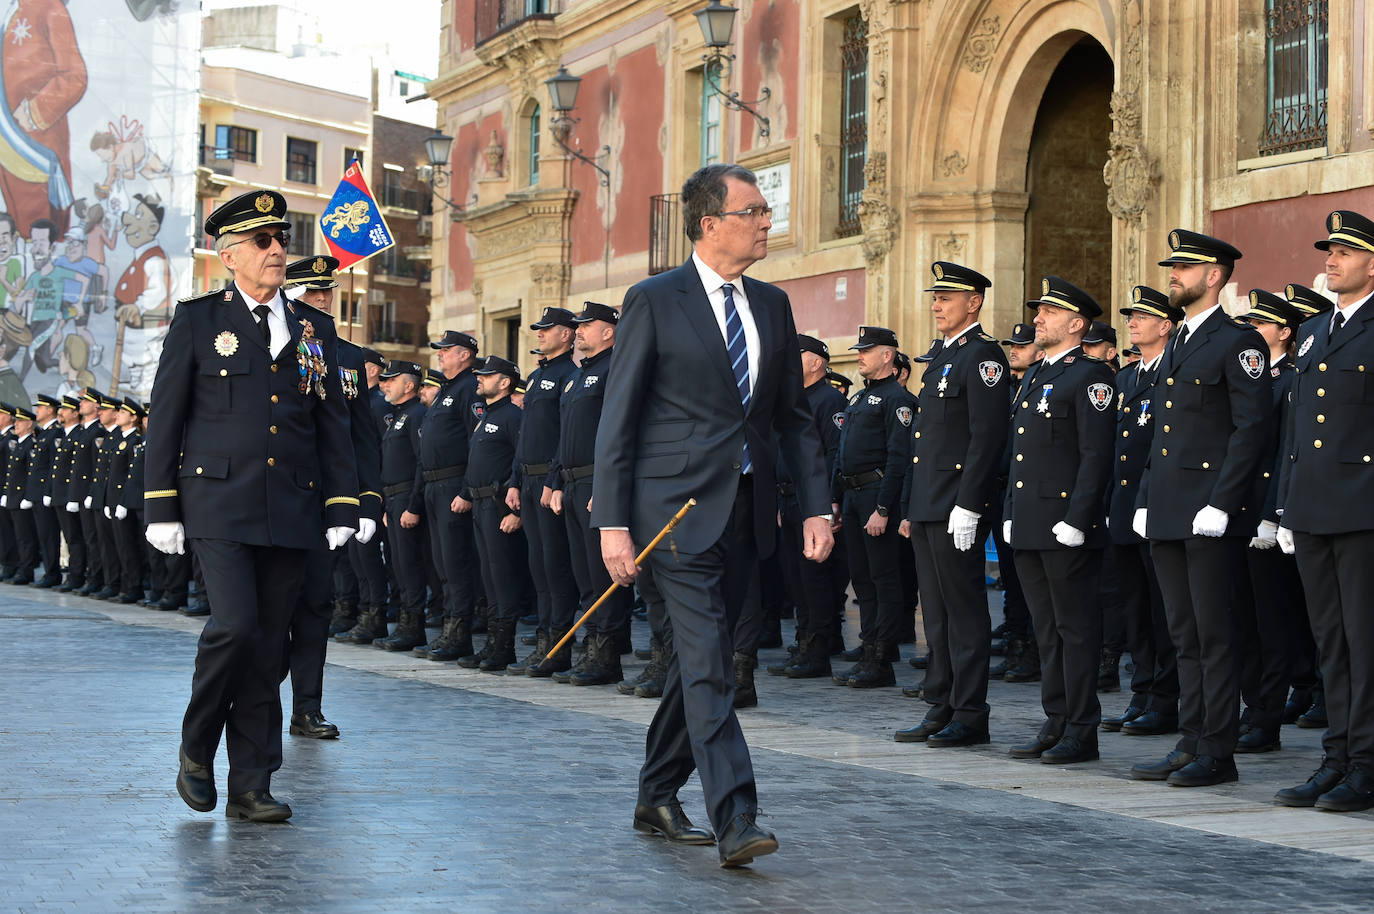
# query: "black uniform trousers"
[[407, 554], [169, 573], [308, 634], [366, 562], [49, 540], [839, 576], [128, 539], [1272, 628], [695, 728], [954, 608], [1061, 590], [455, 552], [235, 691], [95, 558], [588, 568], [70, 524], [550, 559], [1015, 613], [344, 580], [1338, 577], [811, 582], [1111, 600], [9, 548], [26, 541], [109, 551], [1154, 684], [1197, 579], [873, 567], [501, 559]]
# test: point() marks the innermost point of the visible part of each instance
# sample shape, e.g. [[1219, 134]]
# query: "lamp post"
[[563, 88], [717, 21], [436, 174]]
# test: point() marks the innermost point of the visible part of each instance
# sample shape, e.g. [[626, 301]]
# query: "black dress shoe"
[[1151, 723], [1113, 724], [921, 732], [670, 822], [1322, 780], [1036, 747], [257, 806], [1204, 771], [916, 691], [957, 733], [743, 840], [1353, 794], [1259, 739], [920, 661], [313, 725], [1070, 751], [1299, 700], [1314, 718], [196, 783], [1160, 771]]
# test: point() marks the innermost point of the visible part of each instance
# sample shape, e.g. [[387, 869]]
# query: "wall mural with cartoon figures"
[[98, 148]]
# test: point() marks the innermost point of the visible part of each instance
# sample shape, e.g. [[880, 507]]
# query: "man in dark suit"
[[705, 390], [242, 460], [1212, 400], [1327, 495]]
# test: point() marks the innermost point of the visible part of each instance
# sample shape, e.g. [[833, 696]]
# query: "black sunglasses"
[[263, 240]]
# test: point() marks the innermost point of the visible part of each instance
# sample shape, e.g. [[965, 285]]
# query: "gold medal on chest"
[[226, 343]]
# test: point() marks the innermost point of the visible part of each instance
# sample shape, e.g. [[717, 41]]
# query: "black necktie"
[[1337, 324], [1181, 338], [262, 311]]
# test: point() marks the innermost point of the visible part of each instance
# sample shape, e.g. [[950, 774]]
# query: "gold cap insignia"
[[226, 343], [1173, 240], [1138, 298], [1288, 291], [319, 265], [939, 272], [1335, 222], [1044, 287], [264, 203], [1254, 298]]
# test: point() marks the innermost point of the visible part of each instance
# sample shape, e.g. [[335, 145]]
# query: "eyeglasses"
[[753, 212], [263, 240]]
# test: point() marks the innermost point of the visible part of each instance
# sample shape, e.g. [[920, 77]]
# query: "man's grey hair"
[[704, 193]]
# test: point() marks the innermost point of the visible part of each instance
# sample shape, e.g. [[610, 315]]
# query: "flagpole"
[[352, 303]]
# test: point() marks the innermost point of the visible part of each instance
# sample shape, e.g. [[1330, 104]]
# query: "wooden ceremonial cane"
[[639, 559]]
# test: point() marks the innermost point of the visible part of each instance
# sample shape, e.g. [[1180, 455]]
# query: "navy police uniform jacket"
[[539, 428], [237, 450], [827, 406], [492, 448], [579, 410], [1135, 416], [362, 429], [401, 451], [448, 425], [877, 424], [41, 463]]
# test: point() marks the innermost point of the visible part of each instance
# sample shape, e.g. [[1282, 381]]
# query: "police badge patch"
[[1252, 360], [838, 419], [874, 401], [546, 384], [477, 410], [904, 415], [448, 401], [1306, 345], [492, 428], [990, 372], [1100, 396], [226, 343], [590, 380]]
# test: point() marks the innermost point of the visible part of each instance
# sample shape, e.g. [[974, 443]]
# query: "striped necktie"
[[739, 357]]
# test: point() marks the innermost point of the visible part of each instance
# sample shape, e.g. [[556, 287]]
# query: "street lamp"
[[563, 88], [717, 21], [436, 173]]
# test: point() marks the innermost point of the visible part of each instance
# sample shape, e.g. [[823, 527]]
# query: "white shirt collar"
[[951, 340], [1193, 323], [1052, 359], [1153, 363], [1349, 310], [710, 279]]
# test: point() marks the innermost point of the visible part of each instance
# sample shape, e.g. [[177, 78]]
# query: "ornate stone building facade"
[[1022, 137]]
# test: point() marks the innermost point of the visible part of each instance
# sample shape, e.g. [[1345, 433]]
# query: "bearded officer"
[[242, 461], [403, 486]]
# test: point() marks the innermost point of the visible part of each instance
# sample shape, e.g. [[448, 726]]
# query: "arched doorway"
[[1068, 226]]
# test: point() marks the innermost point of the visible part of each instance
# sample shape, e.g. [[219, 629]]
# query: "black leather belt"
[[399, 488], [485, 491], [859, 480], [787, 488], [572, 474], [536, 469], [445, 473]]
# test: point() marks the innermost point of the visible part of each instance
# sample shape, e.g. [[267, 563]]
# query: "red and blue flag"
[[353, 225]]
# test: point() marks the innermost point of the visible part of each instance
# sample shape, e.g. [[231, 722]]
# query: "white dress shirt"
[[715, 294], [951, 340], [276, 321], [1347, 312], [1195, 322]]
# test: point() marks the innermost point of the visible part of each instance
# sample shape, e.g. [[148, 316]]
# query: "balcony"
[[668, 245], [219, 159], [397, 333], [496, 16]]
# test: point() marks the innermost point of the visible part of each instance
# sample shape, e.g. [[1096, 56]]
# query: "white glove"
[[1266, 537], [963, 526], [337, 536], [25, 505], [47, 501], [1210, 522], [367, 528], [1285, 539], [73, 507], [121, 512], [4, 501], [87, 503], [1138, 523], [167, 536], [1006, 532], [106, 512], [1067, 536]]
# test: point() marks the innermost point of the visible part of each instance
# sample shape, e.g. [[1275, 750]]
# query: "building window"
[[300, 160], [394, 192], [710, 115], [1295, 58], [302, 234], [237, 143], [853, 123], [534, 146], [350, 154]]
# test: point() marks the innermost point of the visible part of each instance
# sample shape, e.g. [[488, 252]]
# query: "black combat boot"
[[1026, 666], [794, 651], [1109, 672], [813, 659], [558, 663], [371, 626], [534, 657], [474, 660], [745, 694], [503, 652], [438, 643], [1314, 718], [409, 633], [875, 670], [653, 671], [604, 666], [345, 617]]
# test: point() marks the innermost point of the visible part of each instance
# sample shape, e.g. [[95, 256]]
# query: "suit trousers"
[[451, 540], [1154, 684], [589, 570], [1338, 577], [550, 558], [70, 525], [407, 555], [874, 568], [25, 539], [1197, 579], [954, 607], [95, 557], [308, 634], [695, 728], [1268, 602], [236, 687], [501, 558], [811, 582], [49, 540], [1061, 590]]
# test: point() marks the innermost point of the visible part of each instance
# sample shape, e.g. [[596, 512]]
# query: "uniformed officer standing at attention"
[[125, 530], [444, 459], [105, 443], [1153, 707], [39, 490], [956, 453], [1327, 496], [1196, 506], [242, 460], [402, 485], [64, 452], [1061, 444], [16, 481], [490, 453], [9, 550], [531, 486], [79, 487], [868, 480]]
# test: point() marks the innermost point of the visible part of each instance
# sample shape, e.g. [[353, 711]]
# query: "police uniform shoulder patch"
[[1100, 396], [477, 410], [1241, 323], [1068, 359], [1252, 360], [1275, 371], [1086, 358], [986, 338], [990, 372], [904, 415], [1306, 345], [838, 420]]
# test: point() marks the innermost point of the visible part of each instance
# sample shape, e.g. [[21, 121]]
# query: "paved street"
[[455, 790]]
